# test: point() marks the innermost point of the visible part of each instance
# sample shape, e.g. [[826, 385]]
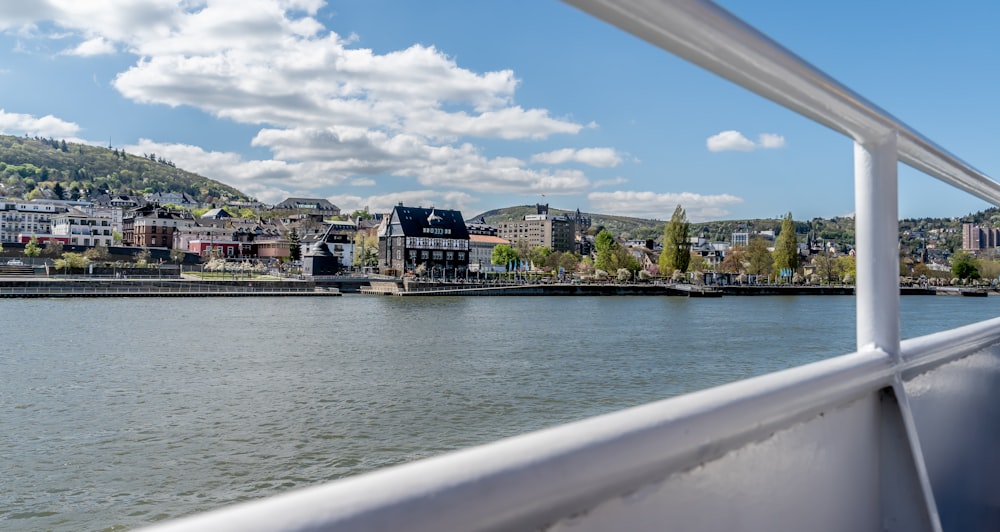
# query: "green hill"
[[30, 165]]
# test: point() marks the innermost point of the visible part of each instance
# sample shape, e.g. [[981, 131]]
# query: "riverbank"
[[90, 287], [409, 289]]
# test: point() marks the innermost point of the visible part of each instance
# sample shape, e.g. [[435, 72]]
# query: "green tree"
[[963, 266], [847, 268], [539, 255], [786, 247], [32, 249], [71, 261], [504, 254], [758, 258], [58, 191], [607, 249], [676, 254]]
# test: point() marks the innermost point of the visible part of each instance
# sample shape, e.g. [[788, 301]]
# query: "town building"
[[80, 228], [338, 239], [557, 232], [481, 253], [480, 227], [19, 218], [308, 206], [153, 226], [976, 238], [414, 236]]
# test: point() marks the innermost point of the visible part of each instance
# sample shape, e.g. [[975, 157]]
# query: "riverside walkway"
[[86, 287]]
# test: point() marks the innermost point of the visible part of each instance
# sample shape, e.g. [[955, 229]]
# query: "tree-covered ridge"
[[30, 165]]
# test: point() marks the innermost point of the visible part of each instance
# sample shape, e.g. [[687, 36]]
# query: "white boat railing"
[[900, 435]]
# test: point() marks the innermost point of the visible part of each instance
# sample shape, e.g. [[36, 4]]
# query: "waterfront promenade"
[[104, 287]]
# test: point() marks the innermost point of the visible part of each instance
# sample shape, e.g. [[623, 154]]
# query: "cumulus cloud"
[[46, 126], [414, 198], [597, 157], [660, 206], [329, 110], [732, 140], [610, 182], [91, 47]]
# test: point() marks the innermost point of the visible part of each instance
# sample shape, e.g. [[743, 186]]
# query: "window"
[[450, 256], [437, 255], [152, 241], [424, 254], [461, 255]]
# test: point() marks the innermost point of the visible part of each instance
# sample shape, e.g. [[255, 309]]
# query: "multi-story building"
[[308, 206], [414, 236], [481, 253], [80, 228], [25, 218], [557, 232], [153, 226], [976, 238]]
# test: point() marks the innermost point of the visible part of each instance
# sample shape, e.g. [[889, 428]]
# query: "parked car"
[[15, 262]]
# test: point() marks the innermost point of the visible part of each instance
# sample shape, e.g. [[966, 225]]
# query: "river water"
[[116, 413]]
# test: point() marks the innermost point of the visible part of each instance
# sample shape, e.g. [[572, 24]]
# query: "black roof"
[[413, 220]]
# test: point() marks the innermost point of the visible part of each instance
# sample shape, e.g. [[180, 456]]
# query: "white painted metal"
[[876, 237], [834, 445]]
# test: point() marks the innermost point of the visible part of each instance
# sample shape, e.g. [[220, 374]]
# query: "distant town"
[[312, 237]]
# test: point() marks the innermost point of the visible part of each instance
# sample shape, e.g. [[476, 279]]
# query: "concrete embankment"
[[87, 287], [448, 289], [396, 289]]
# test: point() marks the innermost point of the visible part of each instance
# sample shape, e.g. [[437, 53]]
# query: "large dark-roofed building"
[[435, 238], [308, 206]]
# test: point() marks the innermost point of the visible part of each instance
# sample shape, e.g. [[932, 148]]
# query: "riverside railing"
[[900, 435]]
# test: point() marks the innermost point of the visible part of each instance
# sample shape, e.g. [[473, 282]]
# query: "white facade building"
[[24, 218], [84, 229]]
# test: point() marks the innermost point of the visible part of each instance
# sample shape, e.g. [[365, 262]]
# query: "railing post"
[[877, 249]]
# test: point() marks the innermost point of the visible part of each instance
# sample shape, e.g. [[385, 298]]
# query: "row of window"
[[436, 243], [436, 255]]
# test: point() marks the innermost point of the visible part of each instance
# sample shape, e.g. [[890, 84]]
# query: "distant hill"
[[30, 165]]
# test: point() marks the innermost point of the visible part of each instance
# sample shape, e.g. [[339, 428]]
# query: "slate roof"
[[413, 220], [308, 204]]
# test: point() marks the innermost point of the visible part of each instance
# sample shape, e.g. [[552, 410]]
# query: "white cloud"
[[330, 111], [610, 182], [46, 126], [770, 141], [92, 47], [413, 198], [732, 140], [660, 206], [598, 157]]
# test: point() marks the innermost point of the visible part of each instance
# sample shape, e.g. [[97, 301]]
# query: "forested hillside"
[[31, 166]]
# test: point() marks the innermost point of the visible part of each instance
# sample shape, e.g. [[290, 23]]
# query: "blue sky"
[[486, 104]]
